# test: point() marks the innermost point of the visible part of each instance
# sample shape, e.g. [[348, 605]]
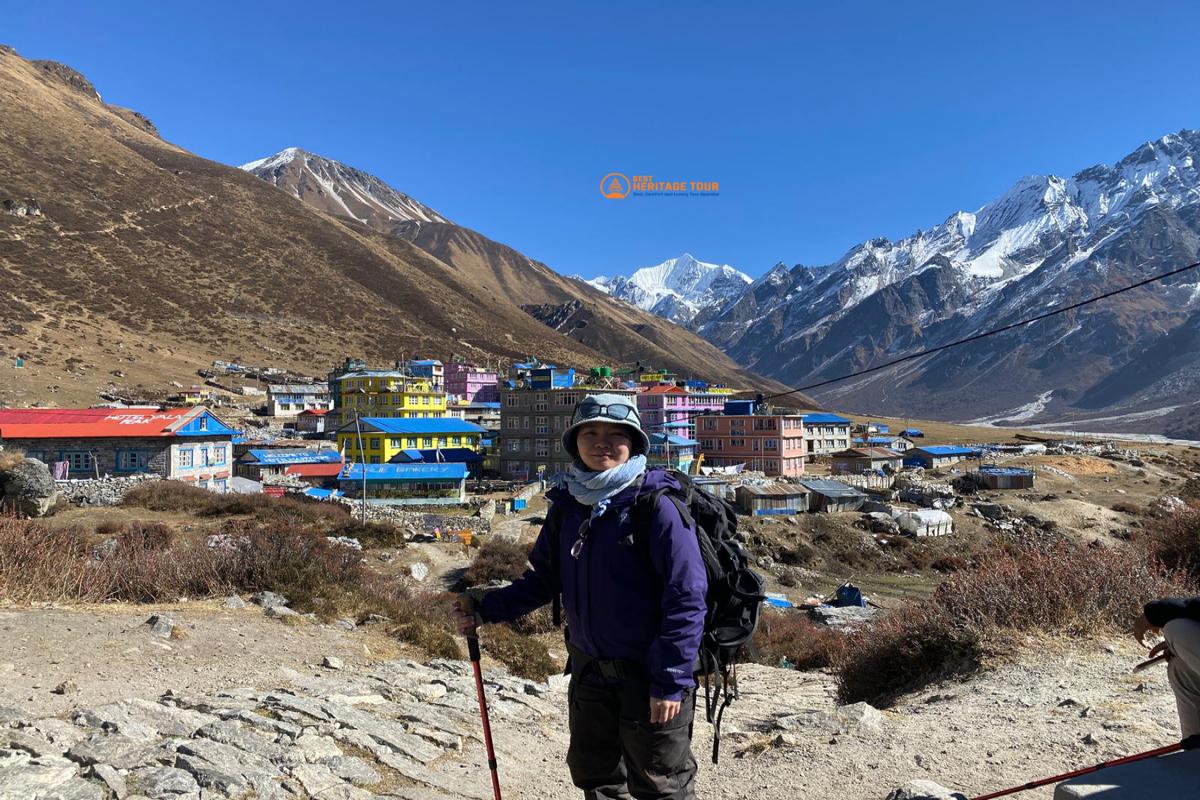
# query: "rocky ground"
[[242, 705]]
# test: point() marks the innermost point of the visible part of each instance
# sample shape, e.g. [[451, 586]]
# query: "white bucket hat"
[[615, 409]]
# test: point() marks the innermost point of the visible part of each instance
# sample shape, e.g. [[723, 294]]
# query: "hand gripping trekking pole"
[[1161, 751], [473, 651]]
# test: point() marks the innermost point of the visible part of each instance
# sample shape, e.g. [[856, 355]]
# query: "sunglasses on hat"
[[592, 410]]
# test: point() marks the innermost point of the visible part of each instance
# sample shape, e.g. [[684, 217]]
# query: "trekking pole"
[[1161, 751], [473, 651]]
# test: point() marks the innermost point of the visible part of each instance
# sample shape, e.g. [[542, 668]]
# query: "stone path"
[[399, 730]]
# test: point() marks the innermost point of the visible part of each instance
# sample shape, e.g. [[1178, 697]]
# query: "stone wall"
[[103, 452], [102, 491]]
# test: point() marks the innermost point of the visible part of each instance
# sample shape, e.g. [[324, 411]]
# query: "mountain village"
[[237, 503]]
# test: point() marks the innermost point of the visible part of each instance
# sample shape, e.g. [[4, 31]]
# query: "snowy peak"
[[339, 189], [677, 289]]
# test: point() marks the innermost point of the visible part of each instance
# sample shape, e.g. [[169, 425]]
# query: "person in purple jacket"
[[634, 603], [1178, 619]]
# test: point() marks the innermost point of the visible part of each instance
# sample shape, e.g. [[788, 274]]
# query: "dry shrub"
[[168, 496], [10, 458], [1175, 541], [372, 534], [524, 656], [1131, 509], [287, 511], [907, 649], [1065, 587], [140, 535], [539, 621], [1061, 588], [791, 636], [1191, 489], [498, 559]]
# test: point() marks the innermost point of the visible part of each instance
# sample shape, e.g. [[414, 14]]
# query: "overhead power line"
[[986, 334], [968, 339]]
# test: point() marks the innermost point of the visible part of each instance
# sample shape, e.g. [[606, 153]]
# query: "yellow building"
[[385, 440], [379, 393]]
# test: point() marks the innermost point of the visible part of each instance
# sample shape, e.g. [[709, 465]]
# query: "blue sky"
[[823, 126]]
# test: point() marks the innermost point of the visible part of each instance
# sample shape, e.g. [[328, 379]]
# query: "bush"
[[791, 636], [524, 656], [144, 536], [1175, 541], [498, 559], [904, 651], [372, 534], [168, 496], [1065, 588]]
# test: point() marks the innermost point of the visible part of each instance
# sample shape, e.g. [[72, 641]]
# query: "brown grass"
[[148, 564], [524, 656], [10, 458], [498, 559], [1174, 540], [790, 639], [287, 511]]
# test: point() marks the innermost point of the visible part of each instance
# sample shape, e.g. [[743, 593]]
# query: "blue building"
[[936, 456], [406, 484]]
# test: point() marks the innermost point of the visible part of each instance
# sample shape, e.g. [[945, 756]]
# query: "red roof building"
[[188, 444]]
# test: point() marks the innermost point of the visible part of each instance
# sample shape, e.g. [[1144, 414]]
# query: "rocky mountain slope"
[[1124, 364], [125, 259], [677, 289], [502, 275]]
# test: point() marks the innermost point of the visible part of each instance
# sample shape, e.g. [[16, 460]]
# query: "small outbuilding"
[[829, 496], [925, 522], [1005, 477], [772, 499], [859, 460], [935, 456]]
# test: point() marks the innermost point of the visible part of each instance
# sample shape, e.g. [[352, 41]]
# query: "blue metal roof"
[[417, 427], [912, 432], [426, 362], [405, 472], [289, 457], [946, 450], [824, 419], [448, 455]]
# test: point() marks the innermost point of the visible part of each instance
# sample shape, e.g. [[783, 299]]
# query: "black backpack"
[[735, 592]]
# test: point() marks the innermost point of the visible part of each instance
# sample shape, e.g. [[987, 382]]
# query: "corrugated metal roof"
[[831, 488], [421, 426], [775, 489], [298, 388], [405, 472], [874, 453], [672, 439], [1013, 471]]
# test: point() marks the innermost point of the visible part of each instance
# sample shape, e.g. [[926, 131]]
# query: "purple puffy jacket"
[[618, 606]]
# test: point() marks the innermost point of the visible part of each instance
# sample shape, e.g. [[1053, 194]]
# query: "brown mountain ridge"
[[148, 262]]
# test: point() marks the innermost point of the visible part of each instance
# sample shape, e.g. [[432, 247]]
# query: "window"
[[442, 442], [526, 421], [221, 486], [511, 400], [203, 454], [374, 459], [710, 424], [558, 445], [456, 440], [394, 442], [512, 423], [539, 405], [514, 446], [411, 442], [770, 444], [132, 460], [542, 427], [427, 441], [375, 441], [219, 454], [737, 442], [541, 448], [185, 457], [204, 423]]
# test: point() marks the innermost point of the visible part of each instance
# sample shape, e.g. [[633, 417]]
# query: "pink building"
[[667, 408], [770, 444], [472, 384]]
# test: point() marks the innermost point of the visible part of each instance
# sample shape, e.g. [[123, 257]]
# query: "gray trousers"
[[616, 754], [1183, 671]]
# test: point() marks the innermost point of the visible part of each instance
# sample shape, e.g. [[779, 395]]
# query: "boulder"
[[268, 599], [842, 616], [990, 510], [28, 489]]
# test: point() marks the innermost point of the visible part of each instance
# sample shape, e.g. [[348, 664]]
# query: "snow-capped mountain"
[[341, 190], [1046, 242], [677, 289]]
